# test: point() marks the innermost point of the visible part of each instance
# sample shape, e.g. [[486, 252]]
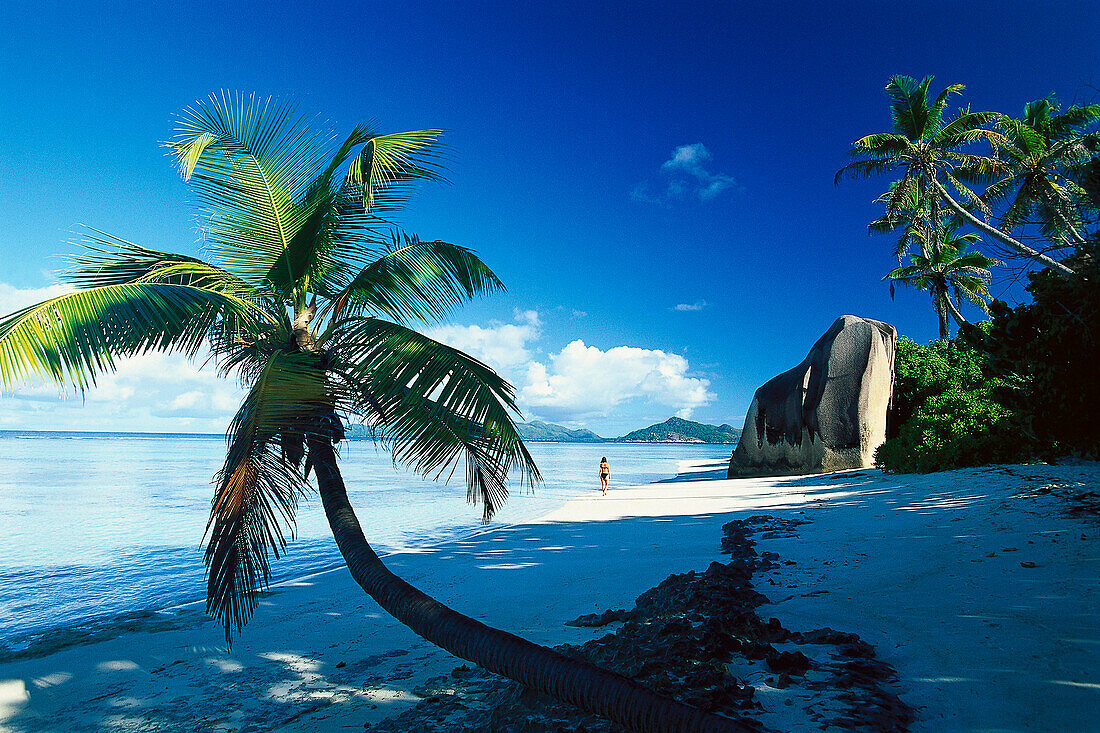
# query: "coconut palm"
[[1045, 152], [944, 267], [926, 147], [310, 297]]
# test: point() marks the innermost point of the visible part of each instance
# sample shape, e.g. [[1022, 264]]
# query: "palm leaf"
[[865, 169], [259, 485], [249, 161], [417, 280], [433, 404], [388, 165], [73, 337], [108, 260]]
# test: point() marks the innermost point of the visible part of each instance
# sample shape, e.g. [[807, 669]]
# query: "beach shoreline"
[[320, 655]]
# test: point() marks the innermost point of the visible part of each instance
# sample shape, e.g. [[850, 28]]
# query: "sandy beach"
[[980, 587]]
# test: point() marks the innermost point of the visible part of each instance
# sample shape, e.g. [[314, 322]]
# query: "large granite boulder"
[[829, 412]]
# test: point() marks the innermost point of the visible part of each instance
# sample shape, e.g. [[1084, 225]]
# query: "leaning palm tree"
[[309, 297], [944, 267], [1044, 152], [926, 147]]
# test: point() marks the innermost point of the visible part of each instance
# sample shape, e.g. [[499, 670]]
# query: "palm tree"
[[309, 297], [944, 268], [1045, 151], [926, 148]]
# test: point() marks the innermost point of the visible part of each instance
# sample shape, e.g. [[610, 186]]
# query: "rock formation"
[[829, 412]]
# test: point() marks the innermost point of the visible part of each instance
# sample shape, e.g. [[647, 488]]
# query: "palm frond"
[[909, 104], [249, 161], [1071, 122], [256, 498], [105, 259], [865, 169], [73, 337], [388, 165], [968, 127], [433, 404], [1025, 140], [417, 280]]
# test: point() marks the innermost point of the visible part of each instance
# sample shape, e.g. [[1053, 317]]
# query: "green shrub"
[[947, 413]]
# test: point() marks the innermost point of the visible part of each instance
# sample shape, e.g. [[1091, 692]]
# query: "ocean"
[[96, 526]]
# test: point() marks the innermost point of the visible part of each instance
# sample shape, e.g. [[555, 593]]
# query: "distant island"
[[678, 430], [545, 432], [673, 430]]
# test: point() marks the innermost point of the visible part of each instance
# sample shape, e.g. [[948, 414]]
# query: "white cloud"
[[584, 381], [581, 382], [685, 175], [500, 345], [13, 299], [696, 306]]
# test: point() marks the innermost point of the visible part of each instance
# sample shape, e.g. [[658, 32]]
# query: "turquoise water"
[[96, 525]]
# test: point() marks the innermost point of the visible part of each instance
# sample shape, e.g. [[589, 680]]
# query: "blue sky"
[[653, 182]]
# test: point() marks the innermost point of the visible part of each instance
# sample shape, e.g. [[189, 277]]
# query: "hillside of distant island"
[[673, 430]]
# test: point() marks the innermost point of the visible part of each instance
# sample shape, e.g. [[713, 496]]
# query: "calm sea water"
[[95, 525]]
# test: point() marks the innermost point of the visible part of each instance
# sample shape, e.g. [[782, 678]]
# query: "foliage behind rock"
[[948, 412]]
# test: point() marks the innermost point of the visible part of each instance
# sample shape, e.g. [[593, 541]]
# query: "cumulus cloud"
[[684, 175], [580, 382], [584, 381], [688, 307], [500, 345]]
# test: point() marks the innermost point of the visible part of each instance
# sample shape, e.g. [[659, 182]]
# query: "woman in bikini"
[[605, 474]]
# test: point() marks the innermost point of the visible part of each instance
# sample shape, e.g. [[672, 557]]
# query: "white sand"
[[921, 567]]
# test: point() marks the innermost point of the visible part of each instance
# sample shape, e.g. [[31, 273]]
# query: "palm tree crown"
[[932, 153], [1044, 151], [944, 267], [307, 297]]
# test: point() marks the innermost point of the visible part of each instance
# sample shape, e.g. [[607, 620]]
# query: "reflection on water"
[[99, 524]]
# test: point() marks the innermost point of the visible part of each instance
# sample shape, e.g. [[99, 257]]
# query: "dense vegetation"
[[947, 411], [1028, 190], [1051, 346]]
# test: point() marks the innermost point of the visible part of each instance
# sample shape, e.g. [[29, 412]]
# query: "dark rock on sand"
[[826, 414], [683, 639], [595, 620]]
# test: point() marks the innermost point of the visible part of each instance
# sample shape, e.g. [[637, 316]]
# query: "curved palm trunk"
[[1000, 236], [955, 313], [578, 683]]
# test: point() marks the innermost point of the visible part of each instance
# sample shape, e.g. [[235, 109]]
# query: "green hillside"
[[678, 430], [542, 431]]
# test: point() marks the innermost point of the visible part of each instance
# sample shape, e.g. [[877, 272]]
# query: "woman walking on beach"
[[605, 474]]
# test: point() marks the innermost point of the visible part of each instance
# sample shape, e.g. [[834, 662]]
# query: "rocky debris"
[[596, 620], [686, 638], [826, 414]]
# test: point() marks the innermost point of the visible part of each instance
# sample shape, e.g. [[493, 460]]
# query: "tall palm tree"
[[926, 147], [309, 297], [944, 267], [1044, 152]]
